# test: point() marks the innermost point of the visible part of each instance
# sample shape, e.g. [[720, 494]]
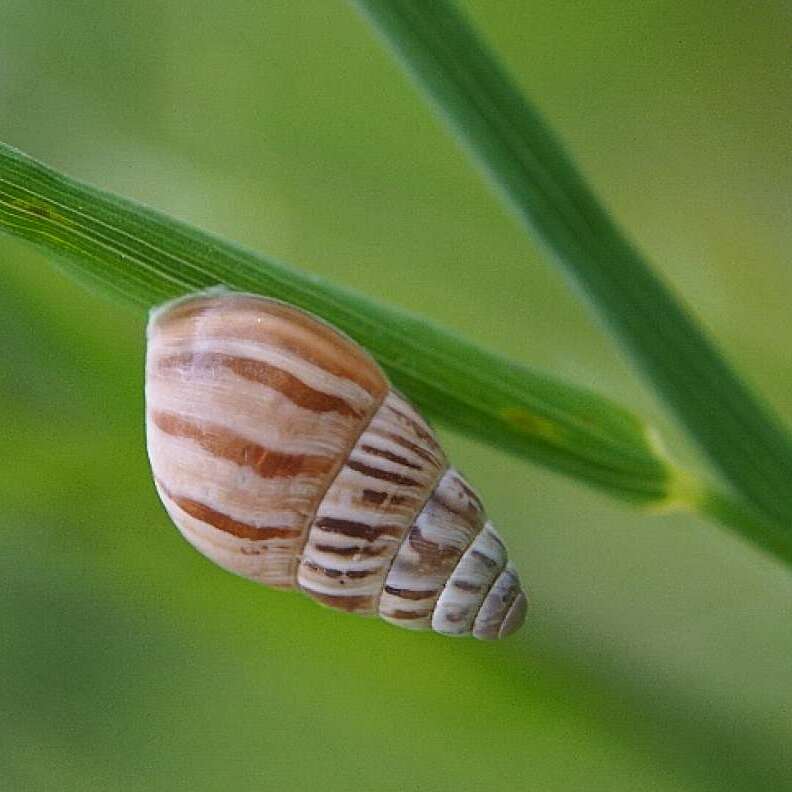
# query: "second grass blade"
[[738, 431]]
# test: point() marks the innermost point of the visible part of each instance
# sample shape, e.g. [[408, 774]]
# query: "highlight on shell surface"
[[282, 453]]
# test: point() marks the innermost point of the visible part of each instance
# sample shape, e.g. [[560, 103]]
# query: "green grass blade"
[[739, 433], [146, 257]]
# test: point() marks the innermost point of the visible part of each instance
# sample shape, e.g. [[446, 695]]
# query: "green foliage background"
[[657, 653]]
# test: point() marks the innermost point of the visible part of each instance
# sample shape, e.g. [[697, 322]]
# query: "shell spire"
[[281, 452]]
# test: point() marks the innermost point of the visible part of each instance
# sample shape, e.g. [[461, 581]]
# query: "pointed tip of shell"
[[504, 608], [515, 617]]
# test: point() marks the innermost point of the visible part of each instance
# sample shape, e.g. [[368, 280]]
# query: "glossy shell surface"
[[281, 452]]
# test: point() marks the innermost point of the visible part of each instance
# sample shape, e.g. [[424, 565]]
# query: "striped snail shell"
[[282, 453]]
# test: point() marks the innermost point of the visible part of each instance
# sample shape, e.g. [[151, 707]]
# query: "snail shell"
[[282, 453]]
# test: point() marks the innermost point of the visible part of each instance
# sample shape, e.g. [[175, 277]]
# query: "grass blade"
[[145, 257], [738, 431]]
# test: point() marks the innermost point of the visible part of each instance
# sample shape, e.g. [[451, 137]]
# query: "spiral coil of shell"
[[281, 452]]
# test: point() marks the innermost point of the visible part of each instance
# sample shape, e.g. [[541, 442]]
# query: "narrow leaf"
[[145, 257], [523, 158]]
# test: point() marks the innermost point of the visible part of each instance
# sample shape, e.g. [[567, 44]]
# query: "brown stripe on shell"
[[290, 386], [418, 426], [353, 604], [471, 493], [372, 496], [410, 595], [228, 524], [465, 585], [403, 615], [264, 321], [269, 561], [378, 498], [222, 442], [333, 573], [485, 559], [382, 475], [184, 467], [390, 456], [426, 455], [352, 574], [430, 554], [360, 551], [358, 530]]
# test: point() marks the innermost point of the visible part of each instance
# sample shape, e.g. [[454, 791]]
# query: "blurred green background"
[[657, 654]]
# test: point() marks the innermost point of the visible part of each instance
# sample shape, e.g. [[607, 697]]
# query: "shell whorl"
[[281, 452]]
